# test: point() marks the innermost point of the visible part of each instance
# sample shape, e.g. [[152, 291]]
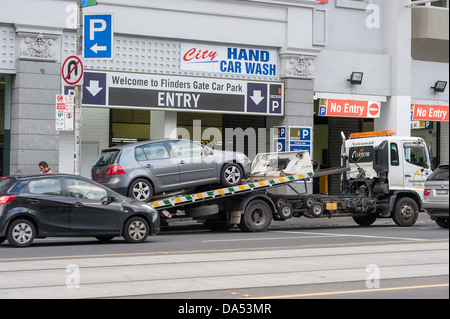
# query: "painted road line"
[[345, 292]]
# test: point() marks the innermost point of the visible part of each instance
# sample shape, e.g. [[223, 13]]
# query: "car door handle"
[[182, 162], [408, 175], [33, 201], [78, 204], [148, 166]]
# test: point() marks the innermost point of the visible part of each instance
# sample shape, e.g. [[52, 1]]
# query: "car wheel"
[[442, 222], [21, 233], [232, 175], [141, 189], [136, 230]]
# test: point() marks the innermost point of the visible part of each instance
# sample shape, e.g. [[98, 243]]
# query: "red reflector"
[[426, 192], [6, 199], [115, 170]]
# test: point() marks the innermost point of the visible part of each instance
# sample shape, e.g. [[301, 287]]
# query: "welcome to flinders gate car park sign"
[[181, 93]]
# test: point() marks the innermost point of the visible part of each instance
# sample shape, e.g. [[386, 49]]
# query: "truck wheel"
[[405, 212], [285, 211], [257, 217], [218, 225], [316, 209], [366, 220]]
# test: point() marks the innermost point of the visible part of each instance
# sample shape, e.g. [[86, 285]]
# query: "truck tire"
[[405, 212], [257, 217], [316, 210], [285, 211], [366, 220]]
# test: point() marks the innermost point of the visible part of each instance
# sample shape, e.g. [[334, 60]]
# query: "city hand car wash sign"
[[229, 60]]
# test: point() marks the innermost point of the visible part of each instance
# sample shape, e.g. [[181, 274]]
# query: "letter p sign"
[[97, 25]]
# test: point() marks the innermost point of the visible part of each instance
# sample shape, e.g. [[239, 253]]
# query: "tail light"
[[115, 170], [6, 199], [426, 192]]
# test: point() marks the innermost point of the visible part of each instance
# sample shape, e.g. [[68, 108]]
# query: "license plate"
[[442, 191]]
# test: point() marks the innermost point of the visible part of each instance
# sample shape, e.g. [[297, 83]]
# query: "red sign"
[[348, 108], [430, 113]]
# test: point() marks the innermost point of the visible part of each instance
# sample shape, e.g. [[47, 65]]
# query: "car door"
[[91, 213], [159, 164], [197, 166], [44, 198], [416, 167]]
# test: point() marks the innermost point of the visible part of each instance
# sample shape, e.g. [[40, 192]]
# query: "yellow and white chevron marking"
[[228, 191]]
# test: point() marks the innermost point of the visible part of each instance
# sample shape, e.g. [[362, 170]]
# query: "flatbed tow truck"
[[382, 177]]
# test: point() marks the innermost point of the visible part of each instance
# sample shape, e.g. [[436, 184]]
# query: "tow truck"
[[382, 176]]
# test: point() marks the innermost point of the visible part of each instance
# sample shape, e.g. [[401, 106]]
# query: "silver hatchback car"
[[436, 196], [143, 169]]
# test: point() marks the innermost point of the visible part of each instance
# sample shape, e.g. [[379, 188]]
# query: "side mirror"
[[111, 198]]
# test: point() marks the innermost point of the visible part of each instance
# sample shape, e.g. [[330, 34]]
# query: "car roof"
[[114, 148], [40, 175]]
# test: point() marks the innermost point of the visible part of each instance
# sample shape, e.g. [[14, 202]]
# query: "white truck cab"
[[402, 162]]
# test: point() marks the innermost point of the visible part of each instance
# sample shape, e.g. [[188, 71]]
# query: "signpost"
[[98, 36]]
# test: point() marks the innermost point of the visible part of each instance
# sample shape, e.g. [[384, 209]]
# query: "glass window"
[[394, 155], [186, 148], [45, 186], [154, 151], [107, 158], [415, 154], [83, 189], [440, 174]]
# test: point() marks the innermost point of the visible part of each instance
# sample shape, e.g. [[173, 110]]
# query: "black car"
[[58, 205]]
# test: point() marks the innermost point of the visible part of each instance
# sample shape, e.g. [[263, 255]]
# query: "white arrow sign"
[[94, 87], [257, 97], [97, 48]]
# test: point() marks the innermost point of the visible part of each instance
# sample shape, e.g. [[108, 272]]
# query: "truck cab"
[[394, 163]]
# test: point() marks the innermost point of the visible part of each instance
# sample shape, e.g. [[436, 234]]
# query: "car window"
[[107, 157], [440, 174], [45, 186], [415, 154], [86, 190], [154, 151], [186, 148]]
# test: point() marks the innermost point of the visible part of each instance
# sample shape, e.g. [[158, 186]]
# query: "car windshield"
[[440, 174], [107, 158]]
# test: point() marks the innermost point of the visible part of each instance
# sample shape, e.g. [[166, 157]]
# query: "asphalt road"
[[300, 258]]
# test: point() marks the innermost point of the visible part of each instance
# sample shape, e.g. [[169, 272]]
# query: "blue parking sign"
[[98, 36]]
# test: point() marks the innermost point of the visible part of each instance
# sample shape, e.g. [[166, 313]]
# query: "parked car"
[[57, 205], [436, 196], [143, 169]]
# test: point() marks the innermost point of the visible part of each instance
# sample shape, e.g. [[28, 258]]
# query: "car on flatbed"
[[141, 170]]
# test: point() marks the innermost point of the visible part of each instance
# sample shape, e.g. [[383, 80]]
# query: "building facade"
[[251, 75]]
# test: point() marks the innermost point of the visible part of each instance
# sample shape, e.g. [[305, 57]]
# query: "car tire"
[[441, 222], [21, 233], [136, 230], [405, 212], [2, 239], [141, 190], [231, 175]]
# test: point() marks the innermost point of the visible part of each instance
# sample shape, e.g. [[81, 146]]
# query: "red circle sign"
[[374, 109], [72, 70]]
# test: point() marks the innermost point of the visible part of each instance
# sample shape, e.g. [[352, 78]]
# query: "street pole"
[[78, 96]]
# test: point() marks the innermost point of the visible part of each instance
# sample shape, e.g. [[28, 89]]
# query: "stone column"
[[34, 88]]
